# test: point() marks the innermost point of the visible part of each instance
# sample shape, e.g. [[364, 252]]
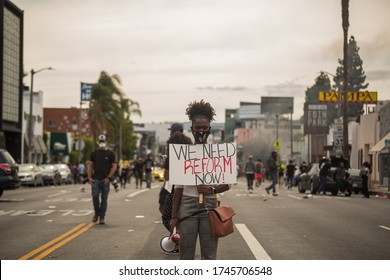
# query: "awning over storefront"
[[38, 145], [380, 145], [42, 144]]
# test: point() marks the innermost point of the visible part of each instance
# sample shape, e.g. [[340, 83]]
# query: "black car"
[[311, 178], [9, 178], [310, 181]]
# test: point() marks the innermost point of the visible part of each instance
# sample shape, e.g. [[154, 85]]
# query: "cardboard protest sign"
[[202, 164]]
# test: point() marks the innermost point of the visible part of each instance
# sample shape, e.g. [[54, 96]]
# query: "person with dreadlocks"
[[188, 214]]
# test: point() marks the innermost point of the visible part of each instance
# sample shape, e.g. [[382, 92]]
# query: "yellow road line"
[[73, 233]]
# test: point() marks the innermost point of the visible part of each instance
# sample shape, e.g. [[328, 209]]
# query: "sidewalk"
[[379, 190]]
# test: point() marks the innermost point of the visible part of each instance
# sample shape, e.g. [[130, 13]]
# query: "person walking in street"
[[149, 165], [365, 172], [81, 170], [290, 172], [124, 166], [250, 173], [273, 172], [138, 171], [101, 167], [189, 201], [258, 172], [324, 172]]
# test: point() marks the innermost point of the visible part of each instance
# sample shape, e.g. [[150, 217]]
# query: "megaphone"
[[168, 243]]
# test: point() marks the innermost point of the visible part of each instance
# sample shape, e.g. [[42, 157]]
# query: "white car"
[[66, 173], [30, 175]]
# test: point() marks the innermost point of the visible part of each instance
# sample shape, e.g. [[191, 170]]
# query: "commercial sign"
[[86, 90], [205, 164], [365, 97], [316, 119], [338, 133]]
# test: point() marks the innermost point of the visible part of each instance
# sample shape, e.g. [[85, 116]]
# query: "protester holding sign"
[[190, 201]]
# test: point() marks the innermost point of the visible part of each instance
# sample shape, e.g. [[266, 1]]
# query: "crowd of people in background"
[[140, 169], [278, 174]]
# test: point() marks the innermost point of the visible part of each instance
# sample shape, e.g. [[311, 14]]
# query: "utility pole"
[[345, 22]]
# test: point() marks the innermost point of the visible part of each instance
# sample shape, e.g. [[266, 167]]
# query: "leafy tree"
[[322, 83], [356, 76]]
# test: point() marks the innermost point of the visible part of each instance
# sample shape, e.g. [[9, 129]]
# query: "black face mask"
[[200, 136]]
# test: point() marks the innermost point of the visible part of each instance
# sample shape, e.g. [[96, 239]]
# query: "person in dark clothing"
[[365, 172], [176, 130], [341, 178], [324, 171], [101, 167], [149, 164], [138, 172], [273, 172], [250, 173], [290, 172]]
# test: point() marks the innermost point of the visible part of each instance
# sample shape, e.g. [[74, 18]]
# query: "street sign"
[[86, 90], [79, 145]]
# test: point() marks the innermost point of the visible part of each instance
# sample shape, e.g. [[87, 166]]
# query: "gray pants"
[[198, 224]]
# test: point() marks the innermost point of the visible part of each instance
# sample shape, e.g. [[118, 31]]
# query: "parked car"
[[311, 178], [30, 175], [66, 173], [356, 180], [51, 174], [9, 178], [310, 181]]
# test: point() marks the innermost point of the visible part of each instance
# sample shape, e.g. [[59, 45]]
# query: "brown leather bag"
[[221, 221]]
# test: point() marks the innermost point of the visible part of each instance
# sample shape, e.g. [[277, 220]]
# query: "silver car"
[[30, 175], [66, 174]]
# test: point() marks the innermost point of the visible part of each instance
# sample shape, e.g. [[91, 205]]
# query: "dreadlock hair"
[[200, 108]]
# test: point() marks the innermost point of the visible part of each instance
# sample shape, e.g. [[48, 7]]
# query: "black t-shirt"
[[102, 163], [149, 164], [290, 170]]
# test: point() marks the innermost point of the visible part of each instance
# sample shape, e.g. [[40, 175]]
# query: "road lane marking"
[[384, 227], [137, 192], [67, 236], [293, 196], [63, 242], [142, 191], [254, 245]]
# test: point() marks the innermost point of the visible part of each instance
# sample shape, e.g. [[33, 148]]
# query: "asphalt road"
[[55, 223]]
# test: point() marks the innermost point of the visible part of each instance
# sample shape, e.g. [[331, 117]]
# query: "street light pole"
[[338, 92], [30, 119]]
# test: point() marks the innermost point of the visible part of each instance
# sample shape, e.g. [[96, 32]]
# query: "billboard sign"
[[277, 105]]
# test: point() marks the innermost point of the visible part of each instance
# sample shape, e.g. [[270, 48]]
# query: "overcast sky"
[[171, 52]]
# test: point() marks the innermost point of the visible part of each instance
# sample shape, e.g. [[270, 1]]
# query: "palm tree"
[[110, 110]]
